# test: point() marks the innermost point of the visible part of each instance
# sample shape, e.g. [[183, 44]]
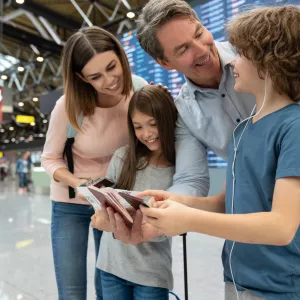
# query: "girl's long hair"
[[157, 103]]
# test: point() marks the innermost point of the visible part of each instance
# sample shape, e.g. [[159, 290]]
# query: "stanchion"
[[185, 269]]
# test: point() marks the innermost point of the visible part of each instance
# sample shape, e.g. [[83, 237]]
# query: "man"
[[209, 108]]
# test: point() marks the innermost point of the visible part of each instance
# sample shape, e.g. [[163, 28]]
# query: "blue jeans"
[[115, 288], [70, 231], [22, 179]]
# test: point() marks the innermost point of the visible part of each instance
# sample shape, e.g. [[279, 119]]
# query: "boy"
[[260, 207]]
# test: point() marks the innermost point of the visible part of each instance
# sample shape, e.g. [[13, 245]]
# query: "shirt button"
[[223, 95], [238, 120]]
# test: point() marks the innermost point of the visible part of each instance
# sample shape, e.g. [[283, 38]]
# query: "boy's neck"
[[274, 102]]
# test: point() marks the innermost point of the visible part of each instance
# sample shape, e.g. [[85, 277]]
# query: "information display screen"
[[213, 15]]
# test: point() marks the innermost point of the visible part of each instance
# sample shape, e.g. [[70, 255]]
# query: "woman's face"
[[104, 72]]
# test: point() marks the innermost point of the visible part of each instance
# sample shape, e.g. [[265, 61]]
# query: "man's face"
[[189, 48]]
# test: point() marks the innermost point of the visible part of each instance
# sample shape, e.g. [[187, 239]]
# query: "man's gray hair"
[[155, 14]]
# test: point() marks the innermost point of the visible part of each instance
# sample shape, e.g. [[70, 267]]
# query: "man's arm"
[[191, 177]]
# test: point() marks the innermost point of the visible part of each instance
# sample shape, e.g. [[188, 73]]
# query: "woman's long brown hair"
[[157, 103], [80, 96]]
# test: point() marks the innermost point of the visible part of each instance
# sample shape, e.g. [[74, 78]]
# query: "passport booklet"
[[101, 191]]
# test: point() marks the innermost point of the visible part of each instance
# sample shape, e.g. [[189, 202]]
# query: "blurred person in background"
[[22, 170], [3, 168]]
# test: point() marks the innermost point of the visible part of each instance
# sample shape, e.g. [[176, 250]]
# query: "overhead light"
[[45, 121], [21, 69], [2, 130], [20, 1], [41, 135], [130, 15], [21, 104], [35, 99], [11, 128], [13, 139], [6, 141], [4, 77], [32, 123], [40, 59], [22, 138]]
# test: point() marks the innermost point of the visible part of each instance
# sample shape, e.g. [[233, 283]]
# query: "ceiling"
[[39, 28]]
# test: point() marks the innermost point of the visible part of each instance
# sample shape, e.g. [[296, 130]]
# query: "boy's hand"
[[160, 195], [169, 217]]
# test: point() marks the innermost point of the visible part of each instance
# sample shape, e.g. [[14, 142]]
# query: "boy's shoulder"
[[290, 116]]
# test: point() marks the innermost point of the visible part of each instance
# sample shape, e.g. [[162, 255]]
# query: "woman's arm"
[[52, 157]]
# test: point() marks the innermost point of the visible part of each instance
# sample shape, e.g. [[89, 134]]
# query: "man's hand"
[[169, 217], [100, 220], [140, 231], [165, 88]]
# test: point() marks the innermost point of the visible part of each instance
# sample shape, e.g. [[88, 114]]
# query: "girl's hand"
[[169, 217], [140, 231], [100, 220]]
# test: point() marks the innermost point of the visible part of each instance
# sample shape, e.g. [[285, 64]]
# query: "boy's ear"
[[165, 64], [81, 77]]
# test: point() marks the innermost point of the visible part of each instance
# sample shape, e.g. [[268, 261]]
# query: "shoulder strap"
[[71, 133]]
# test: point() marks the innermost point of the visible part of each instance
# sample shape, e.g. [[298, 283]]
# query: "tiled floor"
[[26, 268]]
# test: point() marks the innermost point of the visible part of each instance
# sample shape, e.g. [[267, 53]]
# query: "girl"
[[258, 213], [98, 86], [141, 271]]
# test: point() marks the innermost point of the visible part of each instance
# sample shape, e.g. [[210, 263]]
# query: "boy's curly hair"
[[270, 38]]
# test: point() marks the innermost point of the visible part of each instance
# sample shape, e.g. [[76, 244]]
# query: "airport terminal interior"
[[32, 36]]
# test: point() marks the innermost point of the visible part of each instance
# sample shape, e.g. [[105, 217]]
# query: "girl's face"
[[104, 72], [146, 130]]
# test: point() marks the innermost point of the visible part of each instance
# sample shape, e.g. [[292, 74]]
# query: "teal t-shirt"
[[269, 150]]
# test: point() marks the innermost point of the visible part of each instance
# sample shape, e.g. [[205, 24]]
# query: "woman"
[[98, 86]]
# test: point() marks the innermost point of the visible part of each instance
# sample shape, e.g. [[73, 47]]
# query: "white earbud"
[[235, 147]]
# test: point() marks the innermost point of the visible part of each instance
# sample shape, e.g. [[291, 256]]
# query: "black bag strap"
[[69, 156]]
